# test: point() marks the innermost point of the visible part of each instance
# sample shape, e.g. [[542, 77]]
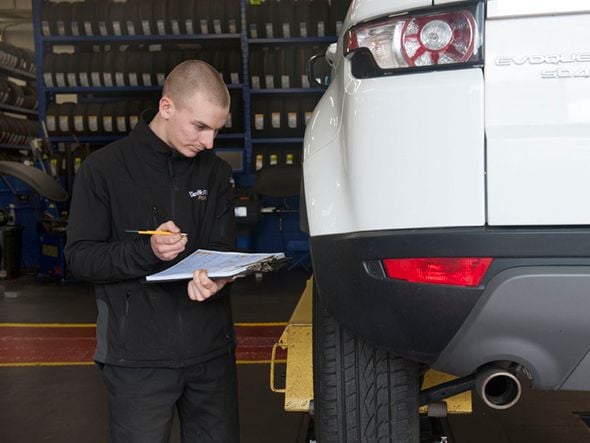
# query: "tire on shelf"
[[235, 122], [30, 99], [201, 15], [361, 393], [63, 18], [16, 95], [4, 90], [294, 125], [254, 20], [319, 18], [89, 24], [84, 68], [160, 18], [233, 16], [302, 55], [80, 118], [51, 118], [255, 69], [108, 69], [121, 118], [118, 25], [217, 18], [269, 60], [3, 130], [218, 61], [72, 78], [233, 65], [134, 109], [187, 24], [96, 66], [176, 17], [147, 69], [269, 18], [276, 117], [302, 19], [120, 69], [259, 117], [131, 14], [132, 69], [76, 21], [146, 18], [65, 118], [104, 24], [10, 56], [160, 66], [108, 118], [94, 118], [60, 66], [47, 19], [336, 15], [285, 19], [14, 132], [286, 67]]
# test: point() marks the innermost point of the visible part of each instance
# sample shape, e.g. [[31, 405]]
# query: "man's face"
[[193, 125]]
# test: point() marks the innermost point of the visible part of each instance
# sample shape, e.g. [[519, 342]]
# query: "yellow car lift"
[[296, 339]]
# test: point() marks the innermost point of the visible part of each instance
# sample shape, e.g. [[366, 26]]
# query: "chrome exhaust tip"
[[498, 388]]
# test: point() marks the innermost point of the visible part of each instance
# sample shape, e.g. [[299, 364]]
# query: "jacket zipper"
[[173, 216], [155, 217]]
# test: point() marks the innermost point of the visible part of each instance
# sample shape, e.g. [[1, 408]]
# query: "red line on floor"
[[26, 344]]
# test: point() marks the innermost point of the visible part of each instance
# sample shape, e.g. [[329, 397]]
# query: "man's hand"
[[201, 287], [167, 247]]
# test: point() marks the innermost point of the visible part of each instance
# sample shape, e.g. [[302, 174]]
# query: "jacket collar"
[[157, 153]]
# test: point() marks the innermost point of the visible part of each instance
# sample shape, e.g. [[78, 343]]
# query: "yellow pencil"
[[154, 232]]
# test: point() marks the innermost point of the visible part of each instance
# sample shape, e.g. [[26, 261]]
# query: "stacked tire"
[[16, 95], [16, 131], [139, 17], [12, 57], [133, 68], [110, 118], [281, 116], [295, 18]]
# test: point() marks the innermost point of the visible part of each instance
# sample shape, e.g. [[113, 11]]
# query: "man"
[[161, 346]]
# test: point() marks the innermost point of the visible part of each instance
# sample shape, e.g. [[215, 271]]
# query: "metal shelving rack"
[[244, 177], [47, 95]]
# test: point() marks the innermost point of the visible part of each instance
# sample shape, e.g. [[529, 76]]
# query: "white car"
[[446, 176]]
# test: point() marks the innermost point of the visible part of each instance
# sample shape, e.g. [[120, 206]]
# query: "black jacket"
[[139, 182]]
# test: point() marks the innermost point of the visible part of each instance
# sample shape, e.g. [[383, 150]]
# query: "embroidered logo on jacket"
[[199, 194]]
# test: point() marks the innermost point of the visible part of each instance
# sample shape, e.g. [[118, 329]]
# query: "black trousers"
[[142, 402]]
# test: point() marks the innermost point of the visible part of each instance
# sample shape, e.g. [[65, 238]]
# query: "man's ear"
[[166, 107]]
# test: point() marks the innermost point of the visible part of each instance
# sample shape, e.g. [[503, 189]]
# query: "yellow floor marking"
[[93, 325], [90, 363], [48, 325]]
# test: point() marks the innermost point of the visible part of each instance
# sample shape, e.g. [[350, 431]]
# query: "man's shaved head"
[[192, 76]]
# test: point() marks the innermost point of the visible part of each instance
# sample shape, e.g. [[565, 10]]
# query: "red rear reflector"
[[461, 271]]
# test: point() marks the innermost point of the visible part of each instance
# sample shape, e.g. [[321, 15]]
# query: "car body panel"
[[538, 125], [376, 143], [515, 8], [517, 319]]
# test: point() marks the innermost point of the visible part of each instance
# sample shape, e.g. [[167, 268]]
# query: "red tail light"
[[460, 271], [415, 40]]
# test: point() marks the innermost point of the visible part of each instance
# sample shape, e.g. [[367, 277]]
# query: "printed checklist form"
[[220, 265]]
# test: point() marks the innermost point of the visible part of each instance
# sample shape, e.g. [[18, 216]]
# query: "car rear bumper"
[[450, 327]]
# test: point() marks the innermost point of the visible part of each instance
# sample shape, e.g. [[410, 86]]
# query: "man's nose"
[[208, 139]]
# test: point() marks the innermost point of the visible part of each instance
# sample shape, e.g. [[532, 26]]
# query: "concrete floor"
[[68, 403], [59, 404]]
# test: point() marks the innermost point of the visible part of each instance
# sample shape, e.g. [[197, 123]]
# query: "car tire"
[[361, 393]]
